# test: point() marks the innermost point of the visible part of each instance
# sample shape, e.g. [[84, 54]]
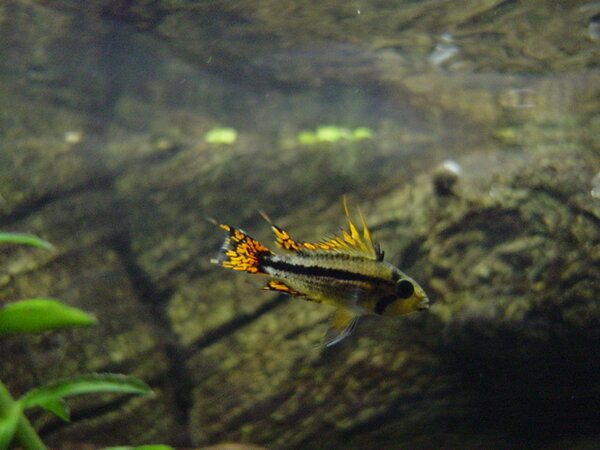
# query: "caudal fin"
[[241, 252]]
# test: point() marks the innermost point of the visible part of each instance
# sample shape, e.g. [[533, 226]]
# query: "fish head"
[[408, 297]]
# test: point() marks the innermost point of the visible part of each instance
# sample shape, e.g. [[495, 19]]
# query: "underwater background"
[[468, 133]]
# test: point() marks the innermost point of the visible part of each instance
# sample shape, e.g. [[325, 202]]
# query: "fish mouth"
[[423, 304]]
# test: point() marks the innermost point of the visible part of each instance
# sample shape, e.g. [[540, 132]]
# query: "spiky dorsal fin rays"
[[282, 238], [374, 248], [350, 241], [363, 243]]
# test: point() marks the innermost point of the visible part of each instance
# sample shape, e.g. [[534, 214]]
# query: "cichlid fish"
[[346, 271]]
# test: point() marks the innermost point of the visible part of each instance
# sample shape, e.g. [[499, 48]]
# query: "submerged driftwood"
[[117, 176]]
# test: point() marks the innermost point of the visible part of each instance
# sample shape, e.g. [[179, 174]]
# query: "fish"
[[346, 271]]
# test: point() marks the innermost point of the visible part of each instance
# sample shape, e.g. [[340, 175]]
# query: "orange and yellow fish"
[[346, 271]]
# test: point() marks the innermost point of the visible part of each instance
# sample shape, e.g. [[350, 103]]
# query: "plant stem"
[[25, 434]]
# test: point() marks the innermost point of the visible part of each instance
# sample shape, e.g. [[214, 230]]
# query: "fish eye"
[[404, 289]]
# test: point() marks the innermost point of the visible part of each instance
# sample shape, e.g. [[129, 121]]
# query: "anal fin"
[[341, 325], [274, 285]]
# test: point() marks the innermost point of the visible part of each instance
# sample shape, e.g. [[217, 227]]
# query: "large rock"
[[512, 267]]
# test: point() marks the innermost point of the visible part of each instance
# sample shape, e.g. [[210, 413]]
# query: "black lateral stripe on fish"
[[346, 271], [317, 271]]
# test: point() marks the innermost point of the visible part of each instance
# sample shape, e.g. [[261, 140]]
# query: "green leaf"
[[58, 407], [41, 314], [8, 424], [27, 239], [84, 384]]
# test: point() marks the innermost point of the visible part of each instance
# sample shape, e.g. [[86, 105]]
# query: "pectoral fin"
[[341, 325]]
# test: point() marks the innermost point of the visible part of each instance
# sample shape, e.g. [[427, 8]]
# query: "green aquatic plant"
[[25, 239], [40, 314], [221, 135], [36, 315], [333, 134]]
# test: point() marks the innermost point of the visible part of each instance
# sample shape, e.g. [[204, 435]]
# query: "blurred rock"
[[311, 42]]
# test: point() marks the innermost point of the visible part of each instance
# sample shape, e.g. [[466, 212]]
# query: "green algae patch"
[[333, 134], [221, 135]]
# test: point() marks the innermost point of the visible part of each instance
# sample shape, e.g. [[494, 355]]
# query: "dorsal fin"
[[282, 238], [364, 242], [348, 241]]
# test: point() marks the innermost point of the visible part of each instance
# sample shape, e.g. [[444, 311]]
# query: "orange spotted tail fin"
[[241, 252]]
